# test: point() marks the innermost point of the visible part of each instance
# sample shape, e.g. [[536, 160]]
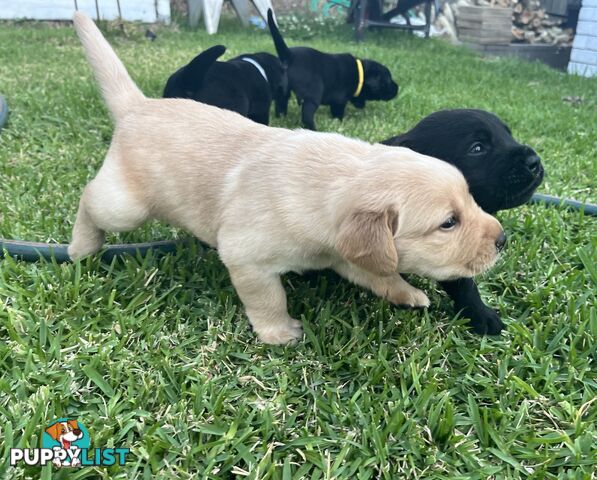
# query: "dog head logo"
[[66, 443], [67, 437]]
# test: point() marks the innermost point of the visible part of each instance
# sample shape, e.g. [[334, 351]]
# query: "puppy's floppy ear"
[[367, 240], [54, 431]]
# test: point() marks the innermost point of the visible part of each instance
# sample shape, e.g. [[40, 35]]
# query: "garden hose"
[[35, 251], [589, 208], [3, 111]]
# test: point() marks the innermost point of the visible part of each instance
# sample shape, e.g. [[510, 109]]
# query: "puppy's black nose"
[[77, 432], [500, 242], [533, 162]]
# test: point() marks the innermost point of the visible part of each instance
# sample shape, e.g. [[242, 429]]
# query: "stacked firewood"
[[530, 22], [532, 25]]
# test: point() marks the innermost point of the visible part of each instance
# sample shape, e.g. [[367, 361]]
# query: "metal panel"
[[132, 10], [36, 9]]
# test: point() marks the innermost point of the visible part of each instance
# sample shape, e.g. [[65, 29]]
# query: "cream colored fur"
[[273, 200]]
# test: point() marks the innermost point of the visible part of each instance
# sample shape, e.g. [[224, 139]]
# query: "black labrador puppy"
[[319, 78], [501, 174], [246, 84]]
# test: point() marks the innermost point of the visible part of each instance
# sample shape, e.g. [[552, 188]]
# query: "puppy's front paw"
[[80, 249], [485, 321], [411, 297], [283, 333]]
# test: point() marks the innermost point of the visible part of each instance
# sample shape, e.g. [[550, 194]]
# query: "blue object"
[[3, 111], [257, 22], [589, 208], [34, 251]]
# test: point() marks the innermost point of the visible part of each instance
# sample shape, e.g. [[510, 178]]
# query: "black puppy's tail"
[[284, 52], [397, 141], [194, 72]]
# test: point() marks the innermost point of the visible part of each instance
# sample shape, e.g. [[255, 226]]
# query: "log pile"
[[530, 22]]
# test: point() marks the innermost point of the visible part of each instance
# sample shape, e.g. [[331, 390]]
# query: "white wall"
[[141, 10], [583, 59]]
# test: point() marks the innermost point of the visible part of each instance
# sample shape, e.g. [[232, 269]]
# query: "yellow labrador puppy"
[[273, 200]]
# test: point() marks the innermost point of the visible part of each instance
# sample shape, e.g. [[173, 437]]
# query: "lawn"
[[156, 355]]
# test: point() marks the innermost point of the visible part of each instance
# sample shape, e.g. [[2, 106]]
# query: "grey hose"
[[34, 251]]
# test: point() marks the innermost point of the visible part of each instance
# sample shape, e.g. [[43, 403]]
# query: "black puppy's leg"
[[464, 293], [358, 102], [337, 110], [309, 96], [308, 113], [260, 117], [282, 104]]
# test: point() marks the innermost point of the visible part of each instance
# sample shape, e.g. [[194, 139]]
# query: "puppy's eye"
[[450, 223], [476, 148]]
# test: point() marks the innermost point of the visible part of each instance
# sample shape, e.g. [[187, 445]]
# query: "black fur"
[[235, 85], [501, 174], [319, 78]]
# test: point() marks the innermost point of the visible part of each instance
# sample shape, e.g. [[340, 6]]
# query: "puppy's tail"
[[397, 141], [117, 87], [193, 73], [284, 52]]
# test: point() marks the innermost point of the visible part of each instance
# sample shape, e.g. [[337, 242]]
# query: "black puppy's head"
[[187, 81], [378, 83], [501, 172]]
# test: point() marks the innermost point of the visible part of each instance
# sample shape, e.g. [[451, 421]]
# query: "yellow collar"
[[357, 92]]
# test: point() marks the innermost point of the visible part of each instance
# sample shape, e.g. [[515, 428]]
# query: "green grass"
[[156, 355]]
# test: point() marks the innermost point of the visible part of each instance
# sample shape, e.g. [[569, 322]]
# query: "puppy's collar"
[[257, 66], [361, 72]]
